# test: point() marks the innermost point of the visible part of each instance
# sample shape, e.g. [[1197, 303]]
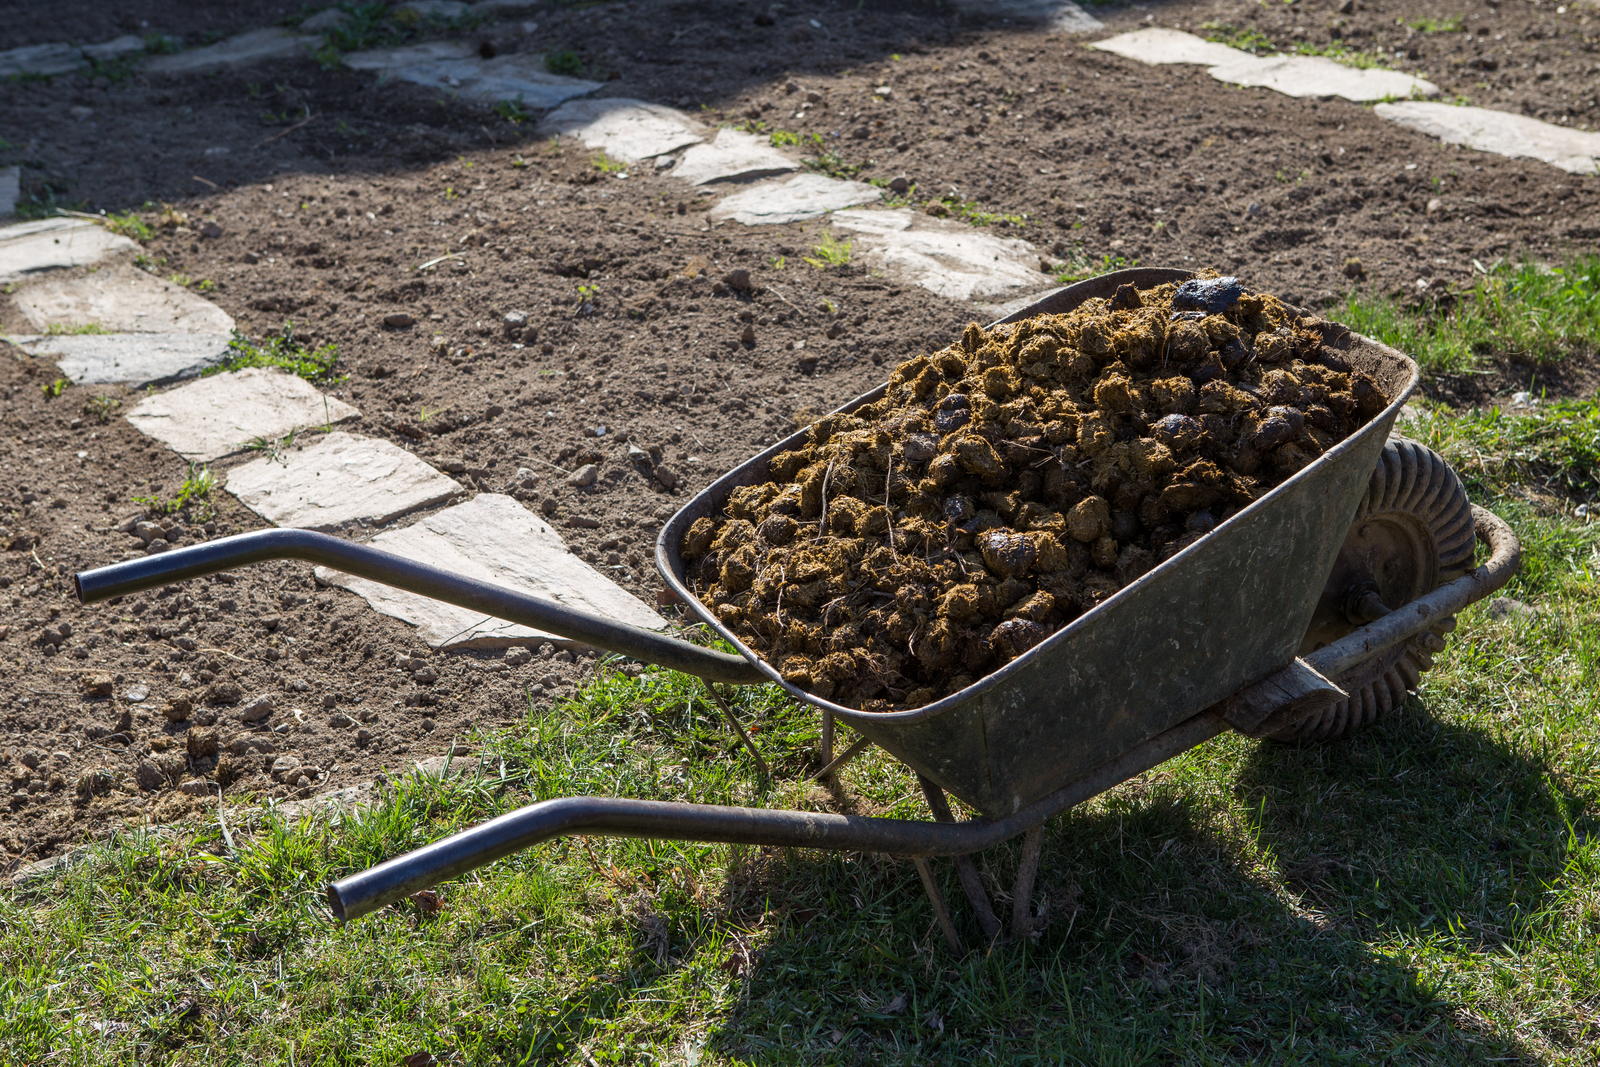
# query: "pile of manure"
[[1005, 485]]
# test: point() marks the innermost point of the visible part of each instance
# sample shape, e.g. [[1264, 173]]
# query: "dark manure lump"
[[1007, 484]]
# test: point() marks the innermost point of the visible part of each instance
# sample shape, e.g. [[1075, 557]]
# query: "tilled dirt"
[[1006, 484], [337, 201]]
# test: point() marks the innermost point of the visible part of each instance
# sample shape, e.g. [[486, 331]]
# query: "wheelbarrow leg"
[[739, 731], [966, 870], [1022, 888], [941, 910], [827, 739]]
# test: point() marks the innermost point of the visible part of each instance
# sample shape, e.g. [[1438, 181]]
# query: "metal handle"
[[377, 565]]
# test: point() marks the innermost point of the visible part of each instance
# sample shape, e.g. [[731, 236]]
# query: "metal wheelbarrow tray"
[[1279, 618]]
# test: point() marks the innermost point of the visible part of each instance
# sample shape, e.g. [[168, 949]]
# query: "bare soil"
[[329, 193]]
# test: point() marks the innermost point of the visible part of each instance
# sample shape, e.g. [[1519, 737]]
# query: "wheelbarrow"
[[1307, 614]]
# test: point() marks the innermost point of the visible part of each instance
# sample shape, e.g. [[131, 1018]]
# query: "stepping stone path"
[[28, 248], [1487, 130], [1575, 151], [221, 415], [493, 538], [339, 478], [626, 130], [122, 299], [1056, 14], [252, 47], [949, 258], [138, 359], [805, 196], [1290, 75], [732, 156], [456, 66]]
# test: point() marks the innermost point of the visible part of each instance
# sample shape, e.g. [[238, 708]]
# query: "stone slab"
[[43, 59], [949, 258], [495, 539], [1575, 151], [329, 18], [1320, 76], [253, 47], [805, 196], [1056, 14], [339, 478], [138, 359], [10, 189], [435, 9], [122, 299], [53, 244], [624, 129], [218, 416], [1157, 46], [456, 67], [116, 48], [732, 156], [1301, 76]]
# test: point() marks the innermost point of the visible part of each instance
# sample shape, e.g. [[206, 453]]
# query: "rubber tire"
[[1415, 506]]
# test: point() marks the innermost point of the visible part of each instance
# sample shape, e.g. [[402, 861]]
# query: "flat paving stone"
[[1301, 76], [253, 47], [219, 416], [122, 299], [1319, 76], [336, 479], [435, 9], [1057, 14], [455, 66], [40, 59], [137, 359], [805, 196], [55, 244], [948, 258], [732, 156], [495, 539], [1157, 46], [1575, 151], [10, 189], [624, 129], [127, 45]]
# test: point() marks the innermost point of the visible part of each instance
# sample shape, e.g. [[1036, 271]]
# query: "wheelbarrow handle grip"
[[364, 561]]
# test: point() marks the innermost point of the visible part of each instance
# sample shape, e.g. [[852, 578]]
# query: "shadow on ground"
[[1159, 945]]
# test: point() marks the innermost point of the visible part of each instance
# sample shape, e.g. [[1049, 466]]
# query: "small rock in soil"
[[98, 684], [257, 710], [738, 280], [584, 476], [399, 320], [221, 693], [286, 767], [201, 744], [135, 694], [178, 709], [517, 657]]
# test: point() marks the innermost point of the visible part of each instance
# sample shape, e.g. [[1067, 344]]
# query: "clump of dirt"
[[1004, 485]]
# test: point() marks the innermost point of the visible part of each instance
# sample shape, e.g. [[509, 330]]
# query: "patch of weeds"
[[102, 408], [970, 211], [367, 26], [1246, 40], [832, 252], [51, 390], [1527, 313], [1448, 24], [606, 165], [755, 126], [272, 448], [513, 112], [565, 62], [828, 162], [285, 351], [1081, 265], [149, 263], [778, 262], [195, 493], [587, 295], [783, 139], [199, 285], [161, 44], [46, 200], [892, 198], [59, 329], [128, 225], [1340, 52], [450, 193]]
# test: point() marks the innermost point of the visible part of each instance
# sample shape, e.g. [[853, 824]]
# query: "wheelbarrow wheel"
[[1412, 533]]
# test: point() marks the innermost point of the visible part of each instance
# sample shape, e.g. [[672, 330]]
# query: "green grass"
[[1551, 452], [564, 62], [1448, 24], [1081, 265], [283, 350], [1521, 314], [1258, 43], [57, 329], [128, 225]]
